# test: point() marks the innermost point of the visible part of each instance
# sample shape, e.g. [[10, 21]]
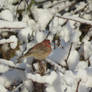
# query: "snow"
[[14, 40], [3, 68], [7, 62], [56, 54], [11, 25], [50, 88], [42, 79], [87, 49], [2, 89], [90, 4], [46, 19], [28, 84], [89, 74], [23, 34], [40, 36], [90, 59], [30, 23], [73, 18], [82, 88], [82, 65], [65, 34], [5, 41], [9, 17], [73, 59], [42, 16]]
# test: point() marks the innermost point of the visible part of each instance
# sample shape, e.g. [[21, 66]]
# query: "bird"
[[40, 51]]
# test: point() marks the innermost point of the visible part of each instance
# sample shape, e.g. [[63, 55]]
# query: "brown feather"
[[39, 51]]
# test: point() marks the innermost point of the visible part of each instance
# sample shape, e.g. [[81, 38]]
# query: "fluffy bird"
[[40, 51]]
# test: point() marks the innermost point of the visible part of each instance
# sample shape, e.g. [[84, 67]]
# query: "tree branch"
[[76, 19]]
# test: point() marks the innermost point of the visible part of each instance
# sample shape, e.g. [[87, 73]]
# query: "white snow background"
[[51, 17]]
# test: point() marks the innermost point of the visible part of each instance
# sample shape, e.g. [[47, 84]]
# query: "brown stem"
[[38, 87], [66, 60], [78, 85], [12, 28]]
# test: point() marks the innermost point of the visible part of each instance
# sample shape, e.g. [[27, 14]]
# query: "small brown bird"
[[40, 51]]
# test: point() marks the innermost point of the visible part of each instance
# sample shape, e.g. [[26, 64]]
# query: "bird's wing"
[[38, 48]]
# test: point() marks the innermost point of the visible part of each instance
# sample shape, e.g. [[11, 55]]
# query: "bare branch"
[[66, 60], [16, 28], [78, 85], [18, 68], [19, 86]]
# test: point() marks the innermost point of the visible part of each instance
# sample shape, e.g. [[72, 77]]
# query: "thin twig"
[[88, 62], [13, 67], [78, 85], [66, 6], [22, 69], [82, 9], [57, 3], [12, 28], [14, 90], [56, 66], [66, 60]]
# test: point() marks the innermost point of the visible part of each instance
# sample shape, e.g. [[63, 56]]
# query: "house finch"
[[39, 51]]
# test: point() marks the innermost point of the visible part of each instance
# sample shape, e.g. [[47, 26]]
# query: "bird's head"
[[47, 43]]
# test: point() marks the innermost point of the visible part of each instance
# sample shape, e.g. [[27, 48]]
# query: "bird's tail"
[[20, 59], [23, 56]]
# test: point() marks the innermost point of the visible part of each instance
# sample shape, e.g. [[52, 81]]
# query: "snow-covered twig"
[[12, 40], [54, 4], [11, 25], [22, 69], [14, 67], [57, 66], [5, 42], [18, 87], [80, 10], [60, 7], [76, 19], [48, 79], [10, 64], [36, 78], [12, 28]]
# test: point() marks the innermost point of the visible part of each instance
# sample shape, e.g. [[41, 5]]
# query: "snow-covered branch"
[[10, 64], [42, 79], [4, 41], [11, 25], [76, 19]]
